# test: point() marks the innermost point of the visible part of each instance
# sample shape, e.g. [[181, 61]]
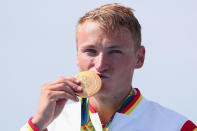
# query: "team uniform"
[[135, 114]]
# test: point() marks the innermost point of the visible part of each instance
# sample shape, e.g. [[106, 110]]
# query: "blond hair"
[[113, 16]]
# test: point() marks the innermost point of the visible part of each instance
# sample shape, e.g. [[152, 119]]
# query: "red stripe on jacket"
[[188, 126]]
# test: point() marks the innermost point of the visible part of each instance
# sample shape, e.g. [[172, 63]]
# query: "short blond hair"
[[112, 16]]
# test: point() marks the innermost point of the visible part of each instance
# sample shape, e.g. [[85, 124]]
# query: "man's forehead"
[[94, 36], [94, 25]]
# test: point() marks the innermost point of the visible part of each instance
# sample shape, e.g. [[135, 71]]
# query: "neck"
[[106, 107]]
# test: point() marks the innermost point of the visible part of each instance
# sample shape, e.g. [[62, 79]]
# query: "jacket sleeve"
[[24, 128], [27, 127]]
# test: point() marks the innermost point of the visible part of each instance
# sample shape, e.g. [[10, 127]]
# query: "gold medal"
[[90, 82]]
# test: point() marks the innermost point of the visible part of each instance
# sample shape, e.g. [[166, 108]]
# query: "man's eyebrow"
[[109, 47], [88, 46], [113, 46]]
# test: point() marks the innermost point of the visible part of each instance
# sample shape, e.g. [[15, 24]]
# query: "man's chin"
[[104, 90]]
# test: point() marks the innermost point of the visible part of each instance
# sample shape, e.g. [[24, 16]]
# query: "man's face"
[[112, 58]]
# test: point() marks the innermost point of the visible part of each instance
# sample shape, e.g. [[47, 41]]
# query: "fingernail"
[[79, 88], [76, 98], [77, 81]]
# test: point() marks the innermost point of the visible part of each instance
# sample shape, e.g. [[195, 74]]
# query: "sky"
[[37, 45]]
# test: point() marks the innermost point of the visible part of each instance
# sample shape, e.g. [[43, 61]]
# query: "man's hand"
[[53, 98]]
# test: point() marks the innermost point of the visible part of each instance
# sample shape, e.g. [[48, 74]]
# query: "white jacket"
[[146, 116]]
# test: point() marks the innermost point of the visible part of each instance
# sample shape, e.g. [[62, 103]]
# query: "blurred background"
[[37, 45]]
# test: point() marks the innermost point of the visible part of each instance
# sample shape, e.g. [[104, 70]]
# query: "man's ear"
[[140, 55], [77, 57], [77, 50]]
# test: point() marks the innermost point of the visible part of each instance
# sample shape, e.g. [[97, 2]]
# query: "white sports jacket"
[[144, 115]]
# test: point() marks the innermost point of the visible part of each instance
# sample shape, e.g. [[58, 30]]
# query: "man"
[[109, 44]]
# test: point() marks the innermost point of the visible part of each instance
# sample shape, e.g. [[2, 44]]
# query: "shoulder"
[[158, 111], [168, 117]]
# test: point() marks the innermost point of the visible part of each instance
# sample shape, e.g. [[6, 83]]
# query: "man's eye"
[[90, 51], [115, 51]]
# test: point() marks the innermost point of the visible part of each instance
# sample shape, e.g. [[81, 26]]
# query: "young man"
[[108, 43]]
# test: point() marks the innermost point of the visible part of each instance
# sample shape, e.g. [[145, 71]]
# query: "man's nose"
[[102, 62]]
